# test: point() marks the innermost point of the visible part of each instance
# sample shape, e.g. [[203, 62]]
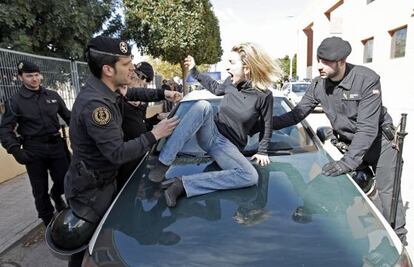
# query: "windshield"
[[300, 87], [290, 140]]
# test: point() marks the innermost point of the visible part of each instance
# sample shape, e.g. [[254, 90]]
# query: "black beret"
[[109, 46], [334, 49], [146, 69], [27, 67]]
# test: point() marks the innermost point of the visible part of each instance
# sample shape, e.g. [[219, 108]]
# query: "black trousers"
[[49, 158]]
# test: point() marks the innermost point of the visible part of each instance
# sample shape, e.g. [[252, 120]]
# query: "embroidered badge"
[[123, 47], [101, 116], [20, 66], [376, 92]]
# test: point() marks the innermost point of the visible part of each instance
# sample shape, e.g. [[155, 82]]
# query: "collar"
[[349, 77], [99, 86], [27, 93], [243, 85]]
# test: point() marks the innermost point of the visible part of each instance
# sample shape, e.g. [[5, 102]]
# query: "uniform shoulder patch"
[[101, 116]]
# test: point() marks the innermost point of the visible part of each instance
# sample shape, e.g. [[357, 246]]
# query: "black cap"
[[27, 67], [109, 46], [334, 49], [146, 69]]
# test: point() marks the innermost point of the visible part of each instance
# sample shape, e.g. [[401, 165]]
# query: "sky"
[[268, 23]]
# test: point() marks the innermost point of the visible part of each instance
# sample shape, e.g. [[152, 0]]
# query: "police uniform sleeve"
[[8, 124], [300, 111], [103, 125], [266, 111], [63, 111], [209, 83], [145, 94], [369, 112]]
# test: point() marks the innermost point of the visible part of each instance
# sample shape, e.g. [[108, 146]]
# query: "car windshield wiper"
[[193, 155], [281, 151]]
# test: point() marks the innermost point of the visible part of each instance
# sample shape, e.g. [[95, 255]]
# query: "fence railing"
[[62, 75]]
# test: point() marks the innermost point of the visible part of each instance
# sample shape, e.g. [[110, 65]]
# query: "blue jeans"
[[237, 171]]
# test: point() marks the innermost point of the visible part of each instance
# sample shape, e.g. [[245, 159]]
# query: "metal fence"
[[62, 75]]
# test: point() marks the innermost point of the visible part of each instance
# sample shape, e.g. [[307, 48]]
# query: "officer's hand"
[[173, 96], [22, 156], [335, 168], [189, 62], [263, 160], [165, 127], [162, 115]]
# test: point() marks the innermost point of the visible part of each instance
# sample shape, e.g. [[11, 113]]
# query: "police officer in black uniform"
[[33, 110], [96, 131], [351, 98]]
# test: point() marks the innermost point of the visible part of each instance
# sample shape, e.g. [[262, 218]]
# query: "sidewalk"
[[18, 212]]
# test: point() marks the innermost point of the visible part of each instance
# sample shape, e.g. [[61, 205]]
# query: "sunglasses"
[[141, 75]]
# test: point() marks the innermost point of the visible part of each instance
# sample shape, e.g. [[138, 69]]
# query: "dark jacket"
[[354, 108], [240, 110], [35, 115]]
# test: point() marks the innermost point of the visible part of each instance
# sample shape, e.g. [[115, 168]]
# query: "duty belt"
[[50, 138]]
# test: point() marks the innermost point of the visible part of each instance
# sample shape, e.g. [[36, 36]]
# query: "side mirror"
[[324, 133]]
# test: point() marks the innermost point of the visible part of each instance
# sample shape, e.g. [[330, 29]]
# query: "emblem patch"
[[123, 47], [101, 116], [20, 66]]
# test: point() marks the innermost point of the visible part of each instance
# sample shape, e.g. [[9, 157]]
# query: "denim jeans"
[[237, 171]]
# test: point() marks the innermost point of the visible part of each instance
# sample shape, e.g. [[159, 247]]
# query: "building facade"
[[381, 33]]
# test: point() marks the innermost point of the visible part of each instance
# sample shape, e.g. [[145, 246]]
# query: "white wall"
[[361, 21]]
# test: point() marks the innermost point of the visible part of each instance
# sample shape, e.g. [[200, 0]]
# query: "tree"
[[54, 28], [285, 65], [173, 29], [168, 70]]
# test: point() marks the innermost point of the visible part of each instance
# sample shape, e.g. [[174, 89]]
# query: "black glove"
[[22, 156], [335, 168]]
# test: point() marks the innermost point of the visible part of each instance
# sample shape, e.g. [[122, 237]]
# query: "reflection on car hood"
[[294, 217]]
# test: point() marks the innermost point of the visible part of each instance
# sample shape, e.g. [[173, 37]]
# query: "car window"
[[293, 139], [300, 87]]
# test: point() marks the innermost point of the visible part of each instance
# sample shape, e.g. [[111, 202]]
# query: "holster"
[[388, 130]]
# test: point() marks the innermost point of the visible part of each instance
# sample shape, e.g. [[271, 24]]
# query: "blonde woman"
[[246, 102]]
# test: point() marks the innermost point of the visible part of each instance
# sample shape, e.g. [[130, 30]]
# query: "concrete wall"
[[354, 21], [9, 168]]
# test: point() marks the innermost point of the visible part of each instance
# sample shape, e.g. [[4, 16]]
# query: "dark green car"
[[294, 217]]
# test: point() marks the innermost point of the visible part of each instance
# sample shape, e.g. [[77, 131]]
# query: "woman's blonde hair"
[[263, 70]]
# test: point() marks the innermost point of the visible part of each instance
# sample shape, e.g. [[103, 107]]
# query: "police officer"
[[96, 130], [134, 122], [33, 110], [351, 98]]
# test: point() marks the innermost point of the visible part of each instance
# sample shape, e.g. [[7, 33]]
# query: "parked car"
[[294, 91], [294, 216]]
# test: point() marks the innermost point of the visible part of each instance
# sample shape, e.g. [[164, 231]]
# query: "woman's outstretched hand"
[[189, 62]]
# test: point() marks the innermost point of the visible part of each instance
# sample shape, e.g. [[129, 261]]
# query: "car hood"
[[293, 217]]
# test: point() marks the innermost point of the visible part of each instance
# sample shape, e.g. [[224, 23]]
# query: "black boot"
[[174, 191], [47, 219], [157, 174], [59, 202]]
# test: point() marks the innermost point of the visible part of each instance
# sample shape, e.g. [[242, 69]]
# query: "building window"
[[368, 49], [370, 1], [398, 41]]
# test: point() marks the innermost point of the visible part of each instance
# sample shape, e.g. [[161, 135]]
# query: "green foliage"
[[285, 65], [173, 29], [54, 28], [168, 70]]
